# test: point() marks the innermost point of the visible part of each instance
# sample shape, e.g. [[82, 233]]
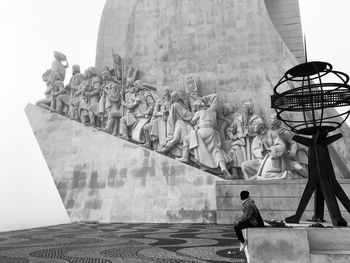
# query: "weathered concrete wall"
[[101, 177], [275, 199]]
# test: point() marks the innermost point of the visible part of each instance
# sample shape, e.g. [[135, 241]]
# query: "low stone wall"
[[302, 245], [101, 177], [275, 199]]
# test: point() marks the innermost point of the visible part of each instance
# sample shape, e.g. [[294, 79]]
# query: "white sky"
[[31, 30]]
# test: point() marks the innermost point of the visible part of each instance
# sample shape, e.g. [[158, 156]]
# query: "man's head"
[[244, 195], [75, 69], [89, 72], [167, 90], [198, 105], [227, 109], [274, 122], [175, 97], [259, 126], [106, 75], [138, 84], [247, 108]]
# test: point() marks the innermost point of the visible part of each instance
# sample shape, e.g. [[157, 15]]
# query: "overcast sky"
[[31, 30]]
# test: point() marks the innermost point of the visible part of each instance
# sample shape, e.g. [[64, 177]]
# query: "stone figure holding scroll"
[[155, 131], [178, 126], [295, 157], [268, 149], [204, 141], [140, 108]]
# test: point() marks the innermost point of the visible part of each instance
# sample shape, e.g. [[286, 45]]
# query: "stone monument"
[[177, 101]]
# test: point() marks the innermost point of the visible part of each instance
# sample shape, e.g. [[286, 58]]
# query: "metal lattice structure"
[[311, 94]]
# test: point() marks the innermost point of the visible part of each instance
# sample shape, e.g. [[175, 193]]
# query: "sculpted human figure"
[[45, 103], [235, 146], [178, 126], [57, 72], [92, 93], [72, 88], [110, 103], [247, 122], [268, 149], [58, 66], [191, 87], [155, 131], [226, 116], [140, 108], [295, 155], [204, 141]]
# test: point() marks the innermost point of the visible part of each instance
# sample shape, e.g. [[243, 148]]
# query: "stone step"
[[323, 256]]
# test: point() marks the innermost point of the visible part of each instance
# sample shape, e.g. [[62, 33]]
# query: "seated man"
[[251, 218]]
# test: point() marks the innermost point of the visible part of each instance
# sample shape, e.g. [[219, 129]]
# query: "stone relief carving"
[[201, 131]]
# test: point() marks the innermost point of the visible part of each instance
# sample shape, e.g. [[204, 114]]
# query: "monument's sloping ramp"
[[101, 177]]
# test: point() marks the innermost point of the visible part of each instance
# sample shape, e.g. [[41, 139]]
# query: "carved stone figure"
[[92, 93], [191, 87], [155, 131], [235, 146], [204, 141], [140, 108], [268, 149], [45, 103], [226, 117], [247, 123], [110, 103], [73, 87], [57, 72], [178, 126], [57, 66], [82, 105], [295, 155]]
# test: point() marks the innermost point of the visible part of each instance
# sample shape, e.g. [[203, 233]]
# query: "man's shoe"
[[242, 246]]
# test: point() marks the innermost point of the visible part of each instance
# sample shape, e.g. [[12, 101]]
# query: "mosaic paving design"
[[109, 243]]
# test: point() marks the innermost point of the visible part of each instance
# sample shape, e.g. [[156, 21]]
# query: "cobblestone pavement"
[[105, 243]]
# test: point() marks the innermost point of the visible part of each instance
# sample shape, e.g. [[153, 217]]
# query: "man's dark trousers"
[[238, 228]]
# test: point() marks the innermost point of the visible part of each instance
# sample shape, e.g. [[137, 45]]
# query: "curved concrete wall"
[[285, 16]]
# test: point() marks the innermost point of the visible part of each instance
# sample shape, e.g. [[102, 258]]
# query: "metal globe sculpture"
[[309, 89], [311, 94]]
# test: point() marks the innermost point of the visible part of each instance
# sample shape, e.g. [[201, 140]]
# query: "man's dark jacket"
[[251, 214]]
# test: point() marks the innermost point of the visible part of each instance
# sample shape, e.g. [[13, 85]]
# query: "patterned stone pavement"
[[107, 243]]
